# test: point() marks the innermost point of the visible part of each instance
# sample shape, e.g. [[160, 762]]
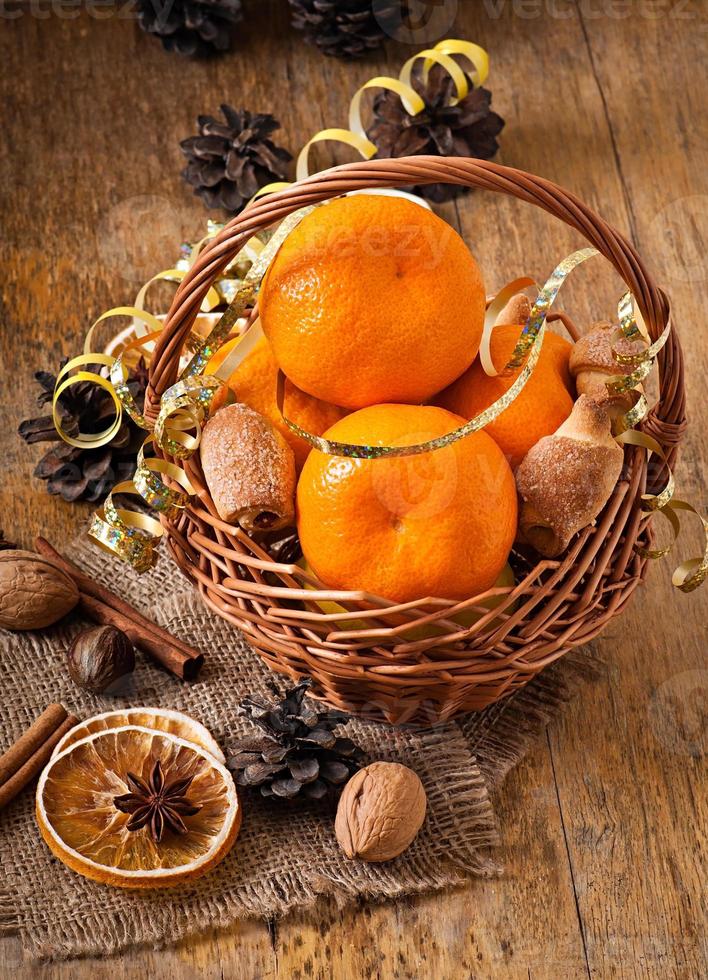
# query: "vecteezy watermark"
[[71, 9], [415, 21], [681, 227], [140, 235], [590, 9], [678, 713]]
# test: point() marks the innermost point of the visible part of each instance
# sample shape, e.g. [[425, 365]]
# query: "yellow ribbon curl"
[[355, 136], [184, 409]]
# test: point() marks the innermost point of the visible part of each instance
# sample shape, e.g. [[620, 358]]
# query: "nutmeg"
[[98, 657], [34, 591], [380, 811]]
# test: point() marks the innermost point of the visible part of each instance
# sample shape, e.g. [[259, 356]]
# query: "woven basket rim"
[[377, 669]]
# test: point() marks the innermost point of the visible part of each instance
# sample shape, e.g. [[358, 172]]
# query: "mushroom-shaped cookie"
[[566, 479], [592, 365]]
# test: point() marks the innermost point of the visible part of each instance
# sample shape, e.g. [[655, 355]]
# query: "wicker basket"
[[375, 659]]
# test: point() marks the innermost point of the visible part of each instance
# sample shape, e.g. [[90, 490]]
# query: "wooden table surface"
[[604, 821]]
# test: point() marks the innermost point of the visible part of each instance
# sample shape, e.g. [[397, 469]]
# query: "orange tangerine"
[[373, 299], [544, 403], [437, 524]]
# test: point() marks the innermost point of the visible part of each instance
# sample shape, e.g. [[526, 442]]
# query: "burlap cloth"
[[286, 856]]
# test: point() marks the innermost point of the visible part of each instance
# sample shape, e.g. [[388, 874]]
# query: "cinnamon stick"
[[31, 740], [35, 763], [91, 588], [168, 654], [104, 607]]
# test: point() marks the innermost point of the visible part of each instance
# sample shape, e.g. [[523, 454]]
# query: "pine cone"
[[344, 28], [190, 27], [85, 474], [468, 129], [228, 162], [298, 754]]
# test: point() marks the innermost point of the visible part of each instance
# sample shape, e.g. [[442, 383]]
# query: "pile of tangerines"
[[374, 310]]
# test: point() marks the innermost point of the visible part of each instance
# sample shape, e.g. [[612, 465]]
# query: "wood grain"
[[604, 822]]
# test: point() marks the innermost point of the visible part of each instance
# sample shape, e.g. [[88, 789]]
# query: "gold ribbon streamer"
[[691, 573], [184, 408], [490, 316], [116, 387], [442, 54], [642, 361]]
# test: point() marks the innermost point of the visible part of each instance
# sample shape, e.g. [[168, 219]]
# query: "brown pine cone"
[[84, 474], [297, 753], [227, 162], [345, 28], [190, 27], [468, 129]]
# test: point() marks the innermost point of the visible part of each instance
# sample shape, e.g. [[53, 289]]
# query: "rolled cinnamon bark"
[[166, 653], [91, 588], [35, 763], [31, 740]]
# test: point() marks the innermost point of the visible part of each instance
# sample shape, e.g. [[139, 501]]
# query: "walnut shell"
[[34, 592], [380, 811]]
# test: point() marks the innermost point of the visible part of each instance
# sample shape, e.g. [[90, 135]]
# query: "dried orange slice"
[[159, 719], [86, 799]]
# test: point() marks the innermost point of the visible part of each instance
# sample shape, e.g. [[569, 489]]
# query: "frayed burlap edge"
[[501, 735]]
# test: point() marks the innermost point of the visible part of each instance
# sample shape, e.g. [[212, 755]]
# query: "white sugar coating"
[[589, 422], [248, 466], [568, 482], [594, 350]]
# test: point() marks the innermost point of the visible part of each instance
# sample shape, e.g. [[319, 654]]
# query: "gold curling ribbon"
[[184, 409], [115, 387], [355, 136], [211, 300], [691, 573], [642, 362], [491, 314]]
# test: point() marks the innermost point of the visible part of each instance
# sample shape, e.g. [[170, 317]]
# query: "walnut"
[[99, 656], [380, 811], [34, 592]]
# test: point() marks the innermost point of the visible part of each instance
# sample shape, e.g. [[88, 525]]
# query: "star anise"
[[158, 803]]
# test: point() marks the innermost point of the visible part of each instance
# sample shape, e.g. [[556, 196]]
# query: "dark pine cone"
[[298, 754], [190, 27], [85, 474], [468, 129], [228, 162], [345, 28]]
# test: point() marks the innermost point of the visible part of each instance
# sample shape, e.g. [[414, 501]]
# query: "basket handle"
[[667, 419]]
